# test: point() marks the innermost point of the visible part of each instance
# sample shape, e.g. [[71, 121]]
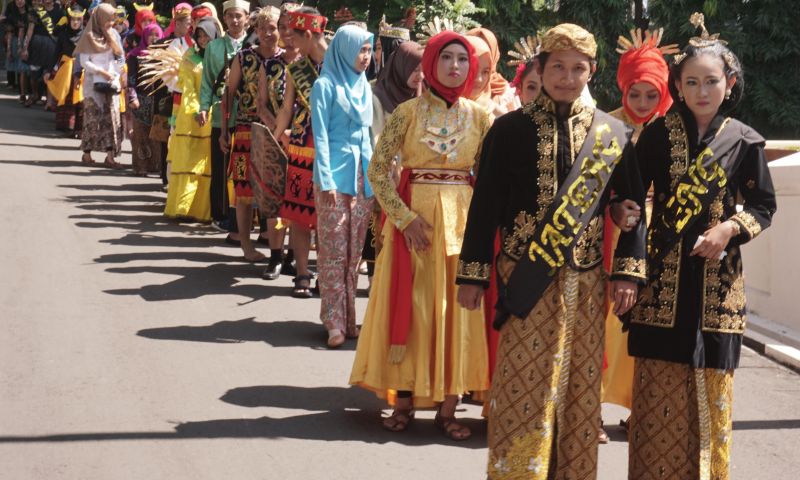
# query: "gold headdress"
[[435, 27], [386, 30], [524, 50], [76, 11], [148, 6], [651, 39], [706, 40], [568, 36]]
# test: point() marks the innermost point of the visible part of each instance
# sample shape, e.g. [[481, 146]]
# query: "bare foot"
[[87, 158], [254, 256]]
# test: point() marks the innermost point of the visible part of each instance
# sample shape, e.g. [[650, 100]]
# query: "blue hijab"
[[354, 92]]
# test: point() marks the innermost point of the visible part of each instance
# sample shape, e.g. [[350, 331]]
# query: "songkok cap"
[[388, 31], [568, 36], [236, 4]]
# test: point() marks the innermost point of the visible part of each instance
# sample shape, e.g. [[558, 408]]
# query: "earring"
[[680, 96], [727, 94]]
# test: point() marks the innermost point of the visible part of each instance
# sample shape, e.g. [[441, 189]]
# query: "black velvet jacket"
[[692, 310], [526, 155]]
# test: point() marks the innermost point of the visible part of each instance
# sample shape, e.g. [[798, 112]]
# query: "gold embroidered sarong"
[[681, 422], [545, 394]]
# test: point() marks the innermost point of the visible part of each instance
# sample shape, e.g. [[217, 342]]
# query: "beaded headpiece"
[[705, 40]]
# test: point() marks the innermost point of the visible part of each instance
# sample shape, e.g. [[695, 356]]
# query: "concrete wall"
[[771, 261]]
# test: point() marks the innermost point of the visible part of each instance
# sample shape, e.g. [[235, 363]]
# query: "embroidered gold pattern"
[[633, 267], [658, 310], [679, 148], [474, 270], [724, 299], [747, 221], [515, 242], [588, 250]]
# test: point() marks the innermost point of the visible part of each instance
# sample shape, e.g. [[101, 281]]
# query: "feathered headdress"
[[160, 64], [436, 26], [524, 50], [651, 39]]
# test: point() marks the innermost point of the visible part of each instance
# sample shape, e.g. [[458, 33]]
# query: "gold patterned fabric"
[[545, 395], [428, 135], [568, 36], [681, 422]]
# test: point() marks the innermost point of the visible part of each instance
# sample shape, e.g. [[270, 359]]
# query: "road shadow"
[[188, 256], [75, 148], [288, 333], [339, 425], [198, 282], [127, 187]]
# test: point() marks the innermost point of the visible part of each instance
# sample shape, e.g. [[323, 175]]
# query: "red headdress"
[[643, 61], [141, 16], [307, 21], [430, 58]]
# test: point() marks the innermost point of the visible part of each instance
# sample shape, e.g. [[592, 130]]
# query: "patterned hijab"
[[392, 86], [338, 67]]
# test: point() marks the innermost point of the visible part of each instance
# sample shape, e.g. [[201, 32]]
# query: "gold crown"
[[76, 12], [704, 40], [524, 50], [650, 39], [388, 31]]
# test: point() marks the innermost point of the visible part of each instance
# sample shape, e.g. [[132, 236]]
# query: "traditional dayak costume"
[[686, 331], [298, 204], [544, 403], [416, 337]]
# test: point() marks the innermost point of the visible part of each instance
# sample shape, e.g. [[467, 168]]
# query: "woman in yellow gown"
[[416, 339], [190, 144]]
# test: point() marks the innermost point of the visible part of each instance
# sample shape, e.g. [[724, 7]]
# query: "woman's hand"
[[107, 75], [135, 104], [416, 234], [23, 54], [715, 241], [625, 293], [626, 214], [328, 198], [202, 118], [469, 296]]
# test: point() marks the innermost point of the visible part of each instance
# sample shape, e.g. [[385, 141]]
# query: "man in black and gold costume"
[[547, 173]]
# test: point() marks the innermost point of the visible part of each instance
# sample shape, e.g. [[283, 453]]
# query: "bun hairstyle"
[[711, 45]]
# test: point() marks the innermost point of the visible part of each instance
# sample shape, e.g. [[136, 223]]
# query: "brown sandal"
[[400, 419], [451, 428]]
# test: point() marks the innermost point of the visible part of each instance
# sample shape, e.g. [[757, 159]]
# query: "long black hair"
[[731, 66]]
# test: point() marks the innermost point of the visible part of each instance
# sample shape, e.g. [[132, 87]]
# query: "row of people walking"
[[515, 240]]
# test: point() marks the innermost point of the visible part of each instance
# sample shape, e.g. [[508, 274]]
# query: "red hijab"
[[430, 59], [645, 64], [141, 16]]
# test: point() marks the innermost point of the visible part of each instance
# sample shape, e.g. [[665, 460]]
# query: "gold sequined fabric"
[[547, 380], [681, 422]]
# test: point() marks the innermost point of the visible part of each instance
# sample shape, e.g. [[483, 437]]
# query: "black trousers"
[[219, 190]]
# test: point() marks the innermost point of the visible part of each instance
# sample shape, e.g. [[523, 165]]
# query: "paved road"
[[133, 347]]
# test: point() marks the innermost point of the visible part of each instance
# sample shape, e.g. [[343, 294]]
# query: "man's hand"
[[224, 141], [416, 234], [202, 118], [469, 296], [626, 214], [624, 294]]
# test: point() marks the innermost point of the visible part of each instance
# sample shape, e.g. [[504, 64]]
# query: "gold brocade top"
[[427, 134], [620, 114]]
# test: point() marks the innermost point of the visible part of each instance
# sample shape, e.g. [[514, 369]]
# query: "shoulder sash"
[[574, 205], [303, 74]]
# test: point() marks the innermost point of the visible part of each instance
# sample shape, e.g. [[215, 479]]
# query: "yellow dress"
[[446, 350], [189, 149], [617, 386]]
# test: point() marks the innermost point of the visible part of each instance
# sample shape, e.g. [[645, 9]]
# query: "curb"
[[773, 349]]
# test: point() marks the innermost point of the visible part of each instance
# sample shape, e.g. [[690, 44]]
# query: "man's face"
[[236, 21], [566, 74]]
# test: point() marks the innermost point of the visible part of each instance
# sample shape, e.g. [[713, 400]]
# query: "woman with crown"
[[686, 330]]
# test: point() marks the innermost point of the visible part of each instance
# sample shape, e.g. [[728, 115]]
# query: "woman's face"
[[531, 87], [202, 38], [152, 38], [146, 23], [109, 24], [643, 98], [416, 78], [452, 67], [267, 31], [378, 51], [19, 3], [48, 4], [75, 23], [482, 78], [703, 84], [363, 58], [182, 26], [36, 3]]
